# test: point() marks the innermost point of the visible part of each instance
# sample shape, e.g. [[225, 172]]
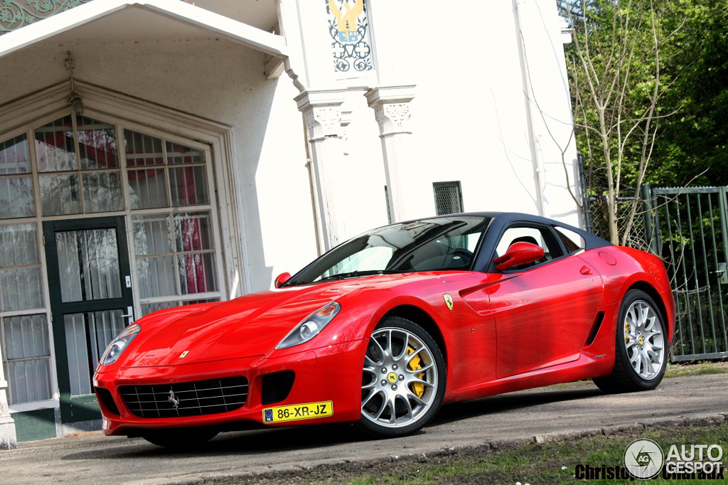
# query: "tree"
[[650, 98], [616, 81], [693, 144]]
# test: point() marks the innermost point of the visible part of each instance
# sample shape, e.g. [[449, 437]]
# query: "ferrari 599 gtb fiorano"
[[385, 328]]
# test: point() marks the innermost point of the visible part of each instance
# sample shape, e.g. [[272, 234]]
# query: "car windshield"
[[444, 243]]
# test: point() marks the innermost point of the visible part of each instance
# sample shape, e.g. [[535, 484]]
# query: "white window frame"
[[214, 139]]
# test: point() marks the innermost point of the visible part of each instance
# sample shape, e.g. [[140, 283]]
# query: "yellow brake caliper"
[[414, 365]]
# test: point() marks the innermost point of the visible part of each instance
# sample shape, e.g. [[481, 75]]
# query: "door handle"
[[585, 271], [129, 314]]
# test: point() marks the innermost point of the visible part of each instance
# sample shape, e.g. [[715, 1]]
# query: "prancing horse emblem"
[[448, 301], [173, 400]]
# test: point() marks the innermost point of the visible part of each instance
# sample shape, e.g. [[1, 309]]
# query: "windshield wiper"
[[355, 274]]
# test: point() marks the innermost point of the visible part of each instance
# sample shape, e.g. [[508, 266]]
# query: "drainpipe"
[[531, 109]]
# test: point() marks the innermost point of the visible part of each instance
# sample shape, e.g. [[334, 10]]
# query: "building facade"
[[156, 153]]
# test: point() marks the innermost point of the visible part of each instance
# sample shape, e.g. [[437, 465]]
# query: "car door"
[[545, 310]]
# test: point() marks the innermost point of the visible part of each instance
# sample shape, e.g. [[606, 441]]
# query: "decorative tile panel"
[[350, 40], [15, 14]]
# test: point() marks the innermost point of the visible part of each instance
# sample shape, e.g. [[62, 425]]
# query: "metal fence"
[[688, 228], [692, 236], [639, 236]]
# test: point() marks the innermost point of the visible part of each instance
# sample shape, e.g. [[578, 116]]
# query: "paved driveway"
[[540, 414]]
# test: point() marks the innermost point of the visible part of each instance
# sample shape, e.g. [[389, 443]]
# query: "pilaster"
[[391, 105], [8, 438], [322, 116]]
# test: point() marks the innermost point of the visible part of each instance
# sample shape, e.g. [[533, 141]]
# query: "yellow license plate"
[[295, 412]]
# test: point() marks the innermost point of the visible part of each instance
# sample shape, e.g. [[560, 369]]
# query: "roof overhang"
[[183, 13]]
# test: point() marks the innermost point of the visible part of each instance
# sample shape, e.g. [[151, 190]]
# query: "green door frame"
[[81, 408]]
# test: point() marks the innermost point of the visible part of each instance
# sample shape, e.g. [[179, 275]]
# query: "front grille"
[[197, 398]]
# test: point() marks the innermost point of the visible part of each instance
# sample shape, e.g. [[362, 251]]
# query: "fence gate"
[[690, 228]]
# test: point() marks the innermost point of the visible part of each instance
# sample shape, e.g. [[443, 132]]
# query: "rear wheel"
[[403, 382], [181, 438], [640, 358]]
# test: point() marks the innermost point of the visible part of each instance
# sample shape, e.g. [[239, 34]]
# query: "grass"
[[679, 370], [552, 463]]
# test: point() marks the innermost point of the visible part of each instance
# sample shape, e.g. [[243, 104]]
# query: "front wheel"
[[640, 359], [403, 383]]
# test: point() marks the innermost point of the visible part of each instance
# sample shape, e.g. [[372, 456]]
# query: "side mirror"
[[519, 253], [281, 279]]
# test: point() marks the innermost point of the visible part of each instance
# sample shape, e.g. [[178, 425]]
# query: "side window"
[[539, 236], [571, 240]]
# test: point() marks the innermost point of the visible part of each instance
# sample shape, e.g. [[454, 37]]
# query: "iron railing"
[[692, 237], [688, 228]]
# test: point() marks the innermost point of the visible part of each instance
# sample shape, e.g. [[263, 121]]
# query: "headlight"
[[117, 346], [310, 326]]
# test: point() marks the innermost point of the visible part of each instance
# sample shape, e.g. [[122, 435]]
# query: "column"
[[322, 115], [409, 197], [8, 439]]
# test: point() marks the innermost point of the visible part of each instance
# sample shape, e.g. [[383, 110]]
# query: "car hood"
[[248, 326]]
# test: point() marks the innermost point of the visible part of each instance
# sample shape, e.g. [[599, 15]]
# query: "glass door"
[[91, 303]]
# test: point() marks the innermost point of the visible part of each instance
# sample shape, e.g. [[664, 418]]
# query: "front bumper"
[[325, 374]]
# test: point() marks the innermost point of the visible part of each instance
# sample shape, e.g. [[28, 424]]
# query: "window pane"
[[54, 147], [192, 231], [102, 191], [197, 273], [79, 372], [156, 276], [188, 186], [14, 156], [151, 234], [97, 144], [16, 197], [572, 241], [103, 328], [142, 150], [29, 380], [18, 245], [147, 188], [153, 307], [88, 332], [26, 336], [88, 264], [59, 194], [21, 289], [177, 154]]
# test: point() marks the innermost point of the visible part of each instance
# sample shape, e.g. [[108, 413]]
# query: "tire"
[[403, 382], [180, 438], [641, 347]]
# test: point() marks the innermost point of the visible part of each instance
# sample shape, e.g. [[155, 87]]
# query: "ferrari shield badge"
[[184, 354], [448, 301]]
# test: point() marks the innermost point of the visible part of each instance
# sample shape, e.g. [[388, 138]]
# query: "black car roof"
[[501, 219]]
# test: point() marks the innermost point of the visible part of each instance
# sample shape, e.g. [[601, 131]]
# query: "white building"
[[159, 152]]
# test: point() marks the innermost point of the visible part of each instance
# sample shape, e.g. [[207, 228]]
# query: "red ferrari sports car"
[[385, 328]]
